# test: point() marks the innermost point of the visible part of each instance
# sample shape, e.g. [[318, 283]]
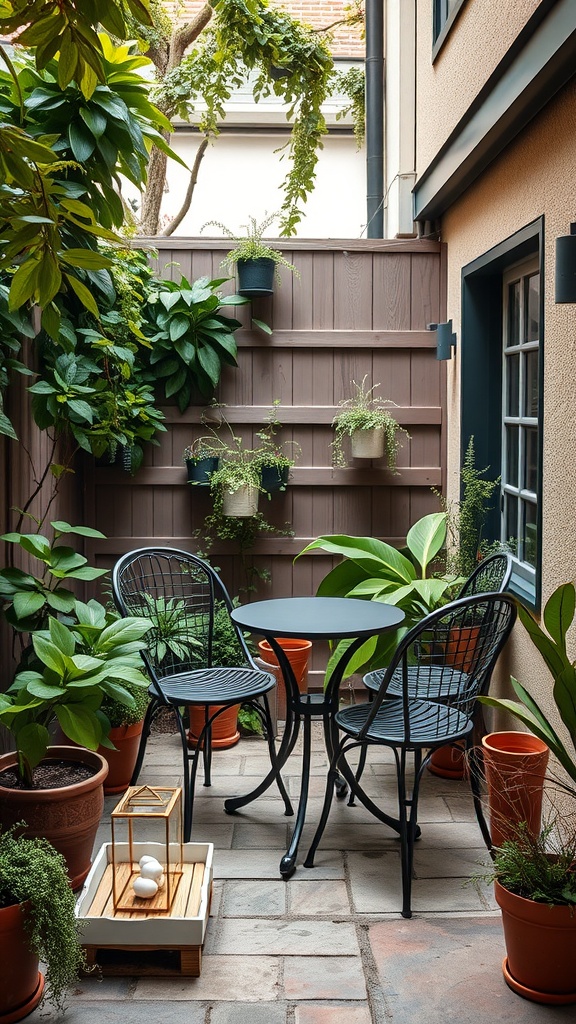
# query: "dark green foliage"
[[31, 870], [467, 520], [540, 868]]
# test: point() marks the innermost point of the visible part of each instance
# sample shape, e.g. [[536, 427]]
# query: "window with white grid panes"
[[520, 399]]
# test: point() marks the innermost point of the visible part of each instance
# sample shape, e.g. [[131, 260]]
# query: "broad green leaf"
[[426, 538], [82, 531], [341, 580], [559, 613], [79, 724], [85, 296], [123, 631], [376, 557], [28, 603], [62, 637], [118, 693], [555, 659], [36, 544], [32, 742], [49, 654], [45, 691], [85, 258]]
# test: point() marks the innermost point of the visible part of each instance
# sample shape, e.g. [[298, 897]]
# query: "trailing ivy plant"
[[365, 411], [33, 873]]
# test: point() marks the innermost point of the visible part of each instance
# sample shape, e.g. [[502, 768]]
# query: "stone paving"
[[329, 946]]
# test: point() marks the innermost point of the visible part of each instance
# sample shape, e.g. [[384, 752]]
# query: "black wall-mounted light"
[[565, 271], [445, 339]]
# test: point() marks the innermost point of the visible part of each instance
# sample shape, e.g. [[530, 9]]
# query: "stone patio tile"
[[213, 832], [336, 977], [335, 1013], [434, 863], [245, 979], [266, 864], [108, 1013], [431, 895], [317, 897], [351, 835], [375, 882], [255, 899], [286, 938], [271, 836], [450, 835], [449, 971], [248, 1013], [460, 807], [91, 988]]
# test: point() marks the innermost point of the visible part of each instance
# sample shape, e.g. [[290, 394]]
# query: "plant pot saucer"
[[25, 1008], [550, 998], [250, 292]]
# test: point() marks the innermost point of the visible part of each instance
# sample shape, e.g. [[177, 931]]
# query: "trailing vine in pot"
[[275, 457], [256, 260], [373, 431]]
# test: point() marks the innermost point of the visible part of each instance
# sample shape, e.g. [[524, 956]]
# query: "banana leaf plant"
[[551, 642], [375, 571]]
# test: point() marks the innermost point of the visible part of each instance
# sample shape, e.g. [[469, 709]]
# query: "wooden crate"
[[135, 942]]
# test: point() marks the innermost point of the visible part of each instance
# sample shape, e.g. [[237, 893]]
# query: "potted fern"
[[365, 419], [257, 262], [37, 922]]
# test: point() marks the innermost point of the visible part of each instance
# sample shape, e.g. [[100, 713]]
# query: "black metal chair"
[[491, 576], [182, 594], [425, 700]]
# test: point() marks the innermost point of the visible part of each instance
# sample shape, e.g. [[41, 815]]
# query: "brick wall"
[[348, 41]]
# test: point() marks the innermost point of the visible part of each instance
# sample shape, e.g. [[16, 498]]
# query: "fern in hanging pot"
[[373, 431], [257, 262]]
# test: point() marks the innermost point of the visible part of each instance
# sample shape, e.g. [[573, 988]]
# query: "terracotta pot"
[[461, 647], [121, 762], [368, 444], [540, 946], [22, 984], [449, 762], [241, 503], [224, 729], [298, 654], [514, 765], [68, 817]]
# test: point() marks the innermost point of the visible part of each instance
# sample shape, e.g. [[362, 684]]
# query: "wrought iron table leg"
[[233, 804], [288, 862]]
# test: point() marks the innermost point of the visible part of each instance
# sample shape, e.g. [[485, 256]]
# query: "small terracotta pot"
[[298, 654], [22, 984], [225, 731], [449, 762], [121, 762], [541, 948], [514, 765], [68, 817], [461, 647]]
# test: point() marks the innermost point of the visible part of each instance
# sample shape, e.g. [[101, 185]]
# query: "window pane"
[[531, 459], [532, 307], [511, 476], [511, 517], [531, 384], [513, 314], [529, 533], [513, 385]]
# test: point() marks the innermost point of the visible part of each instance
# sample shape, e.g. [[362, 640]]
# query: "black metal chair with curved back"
[[182, 594], [425, 700], [491, 576]]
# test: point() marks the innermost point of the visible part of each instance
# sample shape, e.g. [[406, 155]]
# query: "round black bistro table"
[[310, 618]]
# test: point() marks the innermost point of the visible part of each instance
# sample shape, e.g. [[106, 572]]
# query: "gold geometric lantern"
[[147, 883]]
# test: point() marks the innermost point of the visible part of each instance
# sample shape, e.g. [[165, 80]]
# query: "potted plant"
[[37, 922], [275, 457], [202, 458], [58, 790], [371, 428], [257, 262]]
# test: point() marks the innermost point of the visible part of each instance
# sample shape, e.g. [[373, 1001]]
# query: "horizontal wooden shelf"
[[395, 246], [331, 339], [306, 415], [263, 546], [301, 476]]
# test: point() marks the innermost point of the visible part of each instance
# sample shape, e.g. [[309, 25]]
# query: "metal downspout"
[[375, 118]]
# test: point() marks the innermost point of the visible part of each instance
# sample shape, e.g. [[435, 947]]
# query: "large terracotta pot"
[[298, 653], [514, 765], [225, 731], [541, 948], [449, 762], [68, 817], [22, 984]]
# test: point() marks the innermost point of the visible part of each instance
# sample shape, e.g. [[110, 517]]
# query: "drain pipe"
[[375, 118]]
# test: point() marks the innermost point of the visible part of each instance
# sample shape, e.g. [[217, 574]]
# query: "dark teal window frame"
[[443, 17], [481, 369]]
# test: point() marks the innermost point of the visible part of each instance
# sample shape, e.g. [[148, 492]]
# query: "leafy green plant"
[[550, 641], [252, 245], [170, 631], [191, 340], [364, 411], [541, 867], [70, 683], [33, 873], [375, 571], [467, 517]]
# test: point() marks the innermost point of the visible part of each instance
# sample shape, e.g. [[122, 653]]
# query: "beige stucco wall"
[[484, 31], [535, 176]]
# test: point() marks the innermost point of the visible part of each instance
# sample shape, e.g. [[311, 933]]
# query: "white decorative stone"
[[151, 869], [144, 860], [145, 887]]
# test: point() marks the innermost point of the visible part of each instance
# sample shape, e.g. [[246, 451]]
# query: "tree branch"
[[186, 34], [177, 220]]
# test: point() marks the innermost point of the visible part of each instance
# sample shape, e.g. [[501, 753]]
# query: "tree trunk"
[[152, 197]]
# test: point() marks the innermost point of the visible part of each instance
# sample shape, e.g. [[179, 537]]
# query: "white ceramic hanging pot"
[[368, 444], [241, 503]]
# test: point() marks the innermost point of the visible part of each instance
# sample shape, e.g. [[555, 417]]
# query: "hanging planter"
[[200, 470], [274, 478], [368, 443], [257, 261], [514, 765], [255, 277], [372, 430], [241, 503]]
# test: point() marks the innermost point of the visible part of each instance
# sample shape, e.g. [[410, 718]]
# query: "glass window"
[[520, 441], [444, 13]]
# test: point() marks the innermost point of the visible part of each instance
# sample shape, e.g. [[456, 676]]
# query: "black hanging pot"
[[256, 277], [274, 478], [200, 470]]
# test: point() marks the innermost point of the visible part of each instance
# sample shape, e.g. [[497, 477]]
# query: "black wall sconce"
[[445, 339], [565, 272]]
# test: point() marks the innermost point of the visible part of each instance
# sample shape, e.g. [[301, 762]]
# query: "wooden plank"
[[398, 245], [193, 905], [301, 476], [112, 547], [103, 894], [342, 338], [406, 415]]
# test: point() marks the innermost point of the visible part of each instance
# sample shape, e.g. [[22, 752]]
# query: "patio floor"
[[329, 946]]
